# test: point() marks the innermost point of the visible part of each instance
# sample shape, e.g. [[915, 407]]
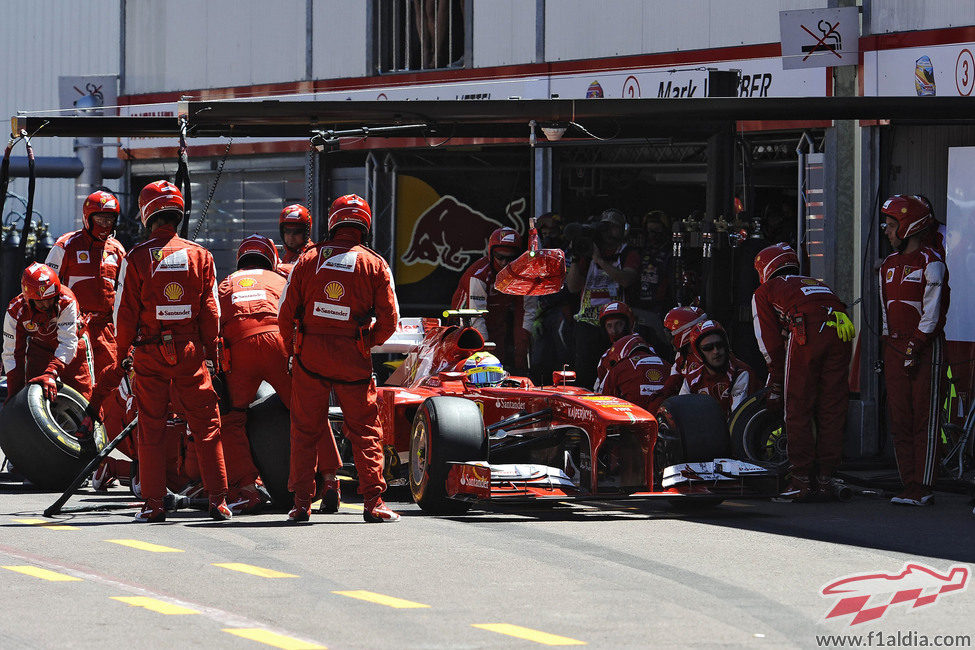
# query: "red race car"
[[458, 442]]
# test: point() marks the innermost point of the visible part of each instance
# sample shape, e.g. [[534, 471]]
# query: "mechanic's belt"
[[329, 380]]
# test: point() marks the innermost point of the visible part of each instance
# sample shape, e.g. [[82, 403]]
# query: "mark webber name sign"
[[817, 38]]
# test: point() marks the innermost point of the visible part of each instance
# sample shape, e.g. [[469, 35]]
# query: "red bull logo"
[[868, 597], [451, 234]]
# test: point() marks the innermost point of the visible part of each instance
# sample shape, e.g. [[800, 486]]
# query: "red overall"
[[509, 317], [253, 352], [89, 267], [332, 294], [167, 287], [729, 387], [915, 295], [638, 379], [35, 342], [289, 257], [809, 366]]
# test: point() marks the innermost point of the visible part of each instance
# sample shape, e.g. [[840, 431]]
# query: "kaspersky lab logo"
[[870, 596]]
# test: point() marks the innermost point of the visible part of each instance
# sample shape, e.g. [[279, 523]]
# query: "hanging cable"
[[183, 177], [29, 214], [213, 188]]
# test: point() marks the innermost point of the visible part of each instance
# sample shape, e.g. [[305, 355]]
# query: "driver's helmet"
[[484, 369]]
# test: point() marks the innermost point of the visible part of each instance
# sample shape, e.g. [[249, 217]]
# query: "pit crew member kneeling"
[[808, 367], [713, 370], [326, 318], [43, 338], [253, 352], [636, 373]]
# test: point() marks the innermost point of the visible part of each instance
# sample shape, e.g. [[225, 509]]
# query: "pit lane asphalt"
[[621, 574]]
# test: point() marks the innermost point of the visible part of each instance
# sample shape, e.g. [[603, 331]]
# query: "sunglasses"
[[712, 346]]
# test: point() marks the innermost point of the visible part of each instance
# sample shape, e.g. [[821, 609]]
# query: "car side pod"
[[536, 272]]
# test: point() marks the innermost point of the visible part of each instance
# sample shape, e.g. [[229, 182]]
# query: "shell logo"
[[30, 326], [334, 290], [246, 282], [173, 291], [654, 375], [82, 256]]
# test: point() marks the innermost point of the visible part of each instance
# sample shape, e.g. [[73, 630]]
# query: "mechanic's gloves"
[[773, 398], [86, 429], [844, 326], [49, 384]]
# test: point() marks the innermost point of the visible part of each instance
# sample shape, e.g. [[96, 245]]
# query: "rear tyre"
[[758, 435], [444, 429], [691, 429], [37, 436]]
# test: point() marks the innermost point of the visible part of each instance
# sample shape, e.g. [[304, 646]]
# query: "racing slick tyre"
[[269, 433], [758, 435], [37, 436], [691, 429], [444, 429]]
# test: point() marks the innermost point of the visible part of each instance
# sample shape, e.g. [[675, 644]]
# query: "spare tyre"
[[37, 436]]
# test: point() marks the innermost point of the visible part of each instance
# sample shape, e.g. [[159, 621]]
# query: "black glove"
[[86, 429]]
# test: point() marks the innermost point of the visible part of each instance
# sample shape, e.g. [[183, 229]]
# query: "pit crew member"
[[253, 352], [915, 295], [43, 337], [509, 319], [87, 261], [637, 373], [616, 320], [167, 308], [680, 322], [294, 224], [338, 303], [713, 370], [804, 333]]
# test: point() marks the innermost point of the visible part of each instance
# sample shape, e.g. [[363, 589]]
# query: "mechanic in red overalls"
[[509, 318], [167, 307], [713, 370], [680, 321], [808, 366], [340, 298], [637, 374], [915, 295], [294, 224], [44, 338], [617, 320], [87, 261], [253, 352]]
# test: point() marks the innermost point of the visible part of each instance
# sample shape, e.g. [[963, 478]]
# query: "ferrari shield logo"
[[156, 253]]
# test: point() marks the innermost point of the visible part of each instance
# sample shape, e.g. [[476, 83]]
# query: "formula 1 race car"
[[459, 443]]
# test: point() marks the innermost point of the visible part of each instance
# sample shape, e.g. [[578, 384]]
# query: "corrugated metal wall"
[[39, 41], [504, 32], [174, 45], [884, 16], [580, 29]]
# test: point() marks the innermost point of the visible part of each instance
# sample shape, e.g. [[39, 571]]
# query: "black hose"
[[29, 216]]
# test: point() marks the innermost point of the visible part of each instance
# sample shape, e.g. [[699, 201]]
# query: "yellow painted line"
[[351, 506], [380, 599], [528, 634], [144, 546], [253, 570], [272, 639], [43, 574], [45, 523], [155, 605]]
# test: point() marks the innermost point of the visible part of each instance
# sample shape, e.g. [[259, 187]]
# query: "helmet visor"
[[485, 375]]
